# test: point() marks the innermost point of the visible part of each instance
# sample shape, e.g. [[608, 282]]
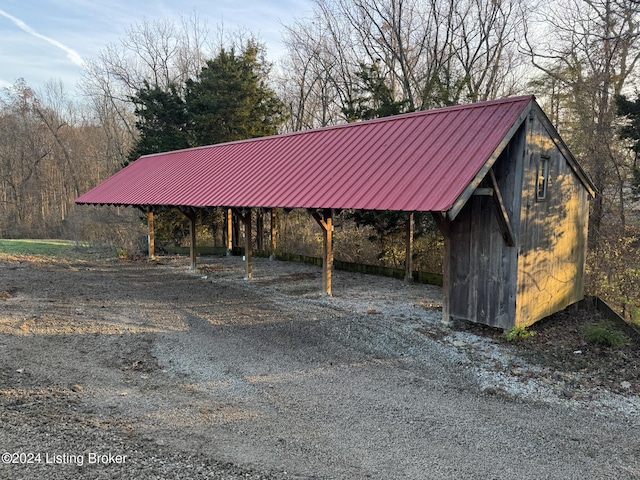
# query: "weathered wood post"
[[259, 229], [192, 216], [229, 232], [443, 225], [247, 246], [274, 234], [151, 241], [245, 217], [408, 255], [326, 223]]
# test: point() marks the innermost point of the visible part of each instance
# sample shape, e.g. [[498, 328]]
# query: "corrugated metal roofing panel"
[[420, 161]]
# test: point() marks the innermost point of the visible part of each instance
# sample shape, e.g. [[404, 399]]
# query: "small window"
[[543, 179]]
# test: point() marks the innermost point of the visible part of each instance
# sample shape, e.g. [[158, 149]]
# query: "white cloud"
[[71, 54]]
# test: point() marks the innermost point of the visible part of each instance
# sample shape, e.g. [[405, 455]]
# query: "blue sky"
[[49, 39]]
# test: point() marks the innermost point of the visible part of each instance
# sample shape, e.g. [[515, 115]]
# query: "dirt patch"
[[6, 294], [560, 343], [201, 374]]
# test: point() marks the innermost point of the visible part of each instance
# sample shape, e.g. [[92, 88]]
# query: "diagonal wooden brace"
[[501, 212]]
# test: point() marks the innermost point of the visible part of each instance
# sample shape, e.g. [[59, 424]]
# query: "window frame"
[[542, 179]]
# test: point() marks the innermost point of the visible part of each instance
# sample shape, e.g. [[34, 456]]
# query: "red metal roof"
[[420, 161]]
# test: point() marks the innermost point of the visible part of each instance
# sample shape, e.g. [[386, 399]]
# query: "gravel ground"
[[148, 370]]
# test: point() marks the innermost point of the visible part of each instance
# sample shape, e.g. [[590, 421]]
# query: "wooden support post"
[[247, 246], [408, 255], [229, 232], [259, 229], [446, 280], [442, 222], [236, 228], [245, 216], [274, 233], [151, 239], [326, 223], [192, 216]]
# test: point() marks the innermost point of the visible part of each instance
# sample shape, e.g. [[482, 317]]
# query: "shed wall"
[[482, 267], [552, 233]]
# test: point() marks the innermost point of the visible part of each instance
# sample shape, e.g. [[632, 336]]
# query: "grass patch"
[[36, 247], [605, 334]]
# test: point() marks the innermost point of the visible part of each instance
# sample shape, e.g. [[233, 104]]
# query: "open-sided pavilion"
[[504, 189]]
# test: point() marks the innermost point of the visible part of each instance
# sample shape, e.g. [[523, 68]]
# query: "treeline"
[[169, 85]]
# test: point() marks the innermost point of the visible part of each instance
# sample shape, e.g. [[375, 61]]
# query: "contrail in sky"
[[71, 53]]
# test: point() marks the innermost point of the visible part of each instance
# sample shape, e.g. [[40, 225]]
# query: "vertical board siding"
[[482, 267], [503, 286], [552, 234]]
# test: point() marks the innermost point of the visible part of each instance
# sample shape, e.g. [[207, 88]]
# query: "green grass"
[[605, 334], [35, 247]]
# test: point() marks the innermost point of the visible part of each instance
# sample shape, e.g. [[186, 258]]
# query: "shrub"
[[518, 333]]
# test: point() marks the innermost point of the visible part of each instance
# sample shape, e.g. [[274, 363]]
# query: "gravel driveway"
[[151, 371]]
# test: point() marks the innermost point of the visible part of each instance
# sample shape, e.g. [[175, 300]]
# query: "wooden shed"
[[516, 242], [504, 189]]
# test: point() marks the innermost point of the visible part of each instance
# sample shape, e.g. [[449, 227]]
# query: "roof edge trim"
[[466, 194]]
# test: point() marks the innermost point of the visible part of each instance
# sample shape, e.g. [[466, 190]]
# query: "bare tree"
[[485, 38], [431, 53], [23, 149], [313, 86], [589, 51], [160, 52]]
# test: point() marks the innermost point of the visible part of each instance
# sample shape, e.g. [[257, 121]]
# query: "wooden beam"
[[501, 213], [442, 221], [446, 274], [475, 183], [259, 229], [247, 247], [326, 223], [408, 254], [483, 192]]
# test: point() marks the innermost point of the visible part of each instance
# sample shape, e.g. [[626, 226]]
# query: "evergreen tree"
[[375, 98], [162, 121], [230, 100]]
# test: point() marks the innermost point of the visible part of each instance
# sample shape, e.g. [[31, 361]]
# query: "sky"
[[43, 40]]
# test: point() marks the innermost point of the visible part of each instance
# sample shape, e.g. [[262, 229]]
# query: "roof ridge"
[[401, 116]]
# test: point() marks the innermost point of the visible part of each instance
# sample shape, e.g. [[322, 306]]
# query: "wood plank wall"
[[553, 233], [482, 268]]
